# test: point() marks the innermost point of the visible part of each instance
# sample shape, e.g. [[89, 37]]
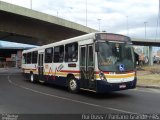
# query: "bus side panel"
[[28, 68], [61, 81], [56, 73]]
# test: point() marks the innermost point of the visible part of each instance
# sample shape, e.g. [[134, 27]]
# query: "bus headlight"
[[102, 76]]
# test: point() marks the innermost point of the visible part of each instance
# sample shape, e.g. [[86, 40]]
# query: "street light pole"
[[127, 26], [86, 12], [57, 13], [145, 25], [99, 24], [158, 22], [31, 4]]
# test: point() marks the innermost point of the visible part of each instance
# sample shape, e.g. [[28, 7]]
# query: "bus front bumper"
[[104, 86]]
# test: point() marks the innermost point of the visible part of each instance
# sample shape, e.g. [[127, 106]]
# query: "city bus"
[[98, 62]]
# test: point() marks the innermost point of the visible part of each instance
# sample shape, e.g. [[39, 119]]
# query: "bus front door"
[[40, 67], [87, 80]]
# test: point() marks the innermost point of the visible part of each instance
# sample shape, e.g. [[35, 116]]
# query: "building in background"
[[11, 54], [158, 53], [143, 52], [10, 57]]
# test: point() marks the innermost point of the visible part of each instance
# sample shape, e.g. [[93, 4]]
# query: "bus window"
[[48, 55], [34, 56], [24, 60], [90, 56], [58, 54], [71, 52], [29, 58], [83, 56]]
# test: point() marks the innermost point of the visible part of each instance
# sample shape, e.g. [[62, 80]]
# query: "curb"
[[144, 86]]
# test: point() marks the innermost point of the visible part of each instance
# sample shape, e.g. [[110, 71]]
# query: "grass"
[[149, 79], [149, 76], [151, 68]]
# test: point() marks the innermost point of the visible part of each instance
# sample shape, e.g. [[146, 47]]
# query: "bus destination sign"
[[113, 37]]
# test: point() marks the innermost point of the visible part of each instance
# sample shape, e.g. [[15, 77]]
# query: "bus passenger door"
[[87, 68], [40, 67]]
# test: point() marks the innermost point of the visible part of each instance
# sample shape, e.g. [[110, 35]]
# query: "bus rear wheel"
[[32, 78], [72, 85]]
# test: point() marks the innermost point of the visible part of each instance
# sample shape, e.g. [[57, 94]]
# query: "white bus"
[[97, 62]]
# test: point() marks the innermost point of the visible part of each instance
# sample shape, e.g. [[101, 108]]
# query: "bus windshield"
[[113, 54]]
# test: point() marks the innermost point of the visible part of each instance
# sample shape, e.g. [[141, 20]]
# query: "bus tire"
[[72, 85], [32, 78]]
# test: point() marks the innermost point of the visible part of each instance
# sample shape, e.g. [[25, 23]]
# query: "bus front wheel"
[[73, 86]]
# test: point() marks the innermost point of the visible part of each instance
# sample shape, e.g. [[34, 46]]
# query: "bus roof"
[[67, 41], [70, 40]]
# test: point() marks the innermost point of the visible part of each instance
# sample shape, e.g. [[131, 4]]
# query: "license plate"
[[122, 86]]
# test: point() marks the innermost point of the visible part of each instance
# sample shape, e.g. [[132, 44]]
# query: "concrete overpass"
[[22, 25], [147, 42]]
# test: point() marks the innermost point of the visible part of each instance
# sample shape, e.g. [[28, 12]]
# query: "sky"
[[13, 44], [128, 17]]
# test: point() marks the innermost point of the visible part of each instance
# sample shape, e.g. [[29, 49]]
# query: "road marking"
[[68, 99]]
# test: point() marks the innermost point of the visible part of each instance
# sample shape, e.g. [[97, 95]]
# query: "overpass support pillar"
[[150, 56]]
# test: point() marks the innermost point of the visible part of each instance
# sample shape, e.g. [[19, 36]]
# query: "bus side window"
[[58, 54], [48, 55], [90, 54], [24, 60], [34, 57], [71, 52], [29, 58]]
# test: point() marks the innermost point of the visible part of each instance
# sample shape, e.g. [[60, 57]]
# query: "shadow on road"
[[109, 95], [87, 94]]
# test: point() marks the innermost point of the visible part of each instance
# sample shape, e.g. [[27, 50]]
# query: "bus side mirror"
[[97, 47]]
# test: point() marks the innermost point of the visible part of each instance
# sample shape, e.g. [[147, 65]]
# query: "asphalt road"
[[20, 96]]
